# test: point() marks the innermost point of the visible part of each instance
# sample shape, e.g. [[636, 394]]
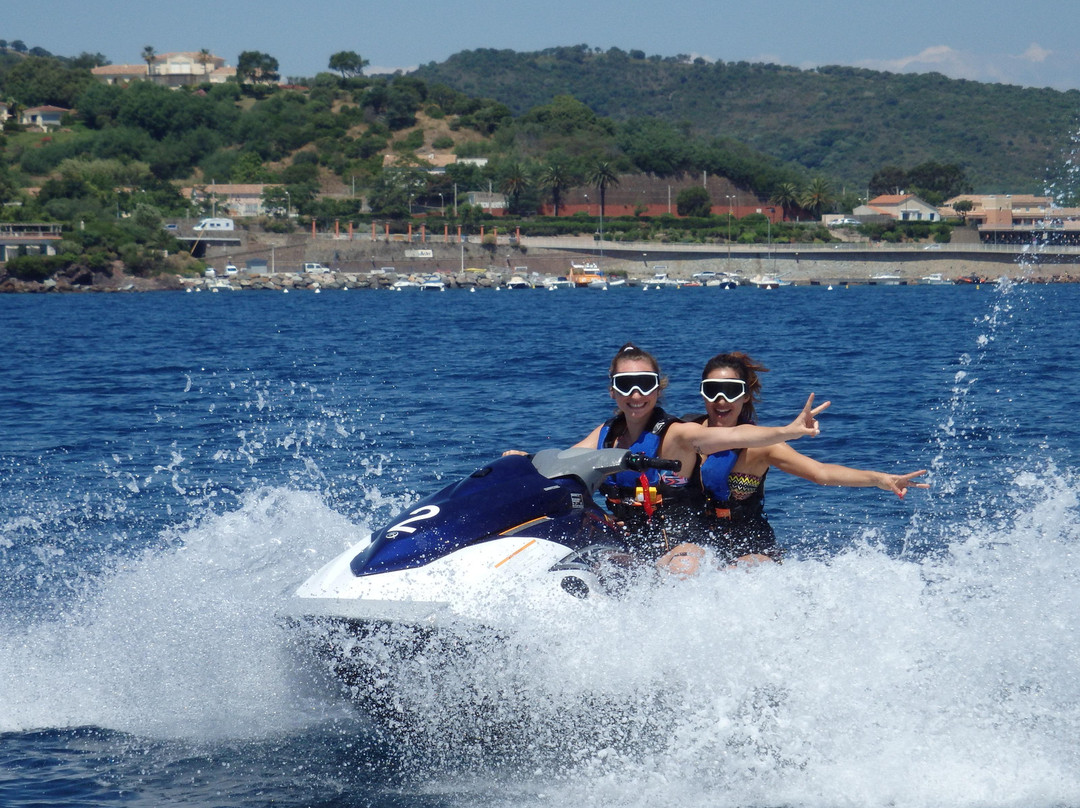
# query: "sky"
[[1033, 43]]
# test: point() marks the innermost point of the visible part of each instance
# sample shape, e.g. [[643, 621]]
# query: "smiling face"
[[635, 407], [722, 412]]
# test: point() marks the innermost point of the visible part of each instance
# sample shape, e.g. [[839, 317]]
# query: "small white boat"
[[561, 282], [404, 284], [518, 282], [433, 283], [765, 282], [936, 279], [885, 280], [725, 280], [660, 280]]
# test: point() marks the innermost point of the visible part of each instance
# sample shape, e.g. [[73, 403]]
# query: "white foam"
[[861, 679]]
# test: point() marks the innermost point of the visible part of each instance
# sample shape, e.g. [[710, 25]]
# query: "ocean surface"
[[172, 466]]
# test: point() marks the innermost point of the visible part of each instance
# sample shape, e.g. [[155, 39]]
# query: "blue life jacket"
[[714, 474], [647, 443]]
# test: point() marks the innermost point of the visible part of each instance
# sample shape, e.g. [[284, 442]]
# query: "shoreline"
[[377, 265], [285, 281]]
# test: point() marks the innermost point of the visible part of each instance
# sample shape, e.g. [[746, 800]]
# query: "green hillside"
[[845, 123]]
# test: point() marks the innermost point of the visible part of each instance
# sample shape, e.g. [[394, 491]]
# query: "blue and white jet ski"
[[520, 530]]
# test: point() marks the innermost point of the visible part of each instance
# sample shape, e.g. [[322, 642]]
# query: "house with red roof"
[[901, 207], [170, 69]]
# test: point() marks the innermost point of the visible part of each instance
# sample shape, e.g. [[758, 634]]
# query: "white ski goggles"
[[728, 389], [626, 383]]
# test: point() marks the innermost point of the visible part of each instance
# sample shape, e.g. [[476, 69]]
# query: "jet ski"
[[523, 525], [524, 529]]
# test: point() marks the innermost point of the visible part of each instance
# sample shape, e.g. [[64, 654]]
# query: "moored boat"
[[765, 281], [661, 280]]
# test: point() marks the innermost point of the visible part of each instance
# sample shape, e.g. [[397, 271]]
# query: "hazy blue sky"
[[1027, 42]]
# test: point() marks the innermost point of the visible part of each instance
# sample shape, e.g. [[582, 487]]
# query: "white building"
[[902, 207], [170, 69]]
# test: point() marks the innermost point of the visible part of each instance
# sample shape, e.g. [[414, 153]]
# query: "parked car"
[[844, 222]]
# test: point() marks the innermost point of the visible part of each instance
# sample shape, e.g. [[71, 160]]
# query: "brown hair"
[[633, 352], [746, 369]]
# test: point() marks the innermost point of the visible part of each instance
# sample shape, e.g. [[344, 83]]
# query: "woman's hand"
[[805, 424], [899, 483]]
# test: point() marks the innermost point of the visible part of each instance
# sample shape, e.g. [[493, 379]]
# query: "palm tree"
[[786, 196], [816, 196], [515, 181], [149, 56], [603, 175], [204, 59], [556, 177]]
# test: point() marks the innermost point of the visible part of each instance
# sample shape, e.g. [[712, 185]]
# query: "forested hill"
[[843, 122]]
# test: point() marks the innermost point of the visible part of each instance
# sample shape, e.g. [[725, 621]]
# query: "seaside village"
[[998, 232]]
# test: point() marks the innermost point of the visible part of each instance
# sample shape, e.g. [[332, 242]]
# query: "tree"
[[395, 189], [35, 81], [816, 196], [888, 180], [348, 63], [656, 147], [945, 179], [963, 207], [693, 201], [556, 177], [602, 175], [786, 196], [515, 181], [204, 59], [149, 56], [88, 60], [248, 168], [256, 66]]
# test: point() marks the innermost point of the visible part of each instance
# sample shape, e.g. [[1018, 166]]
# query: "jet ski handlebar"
[[591, 466], [637, 461]]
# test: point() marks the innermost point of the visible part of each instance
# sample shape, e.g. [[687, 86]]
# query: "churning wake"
[[868, 677]]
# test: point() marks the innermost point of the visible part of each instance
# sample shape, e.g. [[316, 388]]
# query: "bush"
[[34, 267]]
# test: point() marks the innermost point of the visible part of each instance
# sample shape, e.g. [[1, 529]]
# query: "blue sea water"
[[172, 466]]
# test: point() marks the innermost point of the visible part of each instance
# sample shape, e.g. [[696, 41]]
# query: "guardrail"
[[879, 248]]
